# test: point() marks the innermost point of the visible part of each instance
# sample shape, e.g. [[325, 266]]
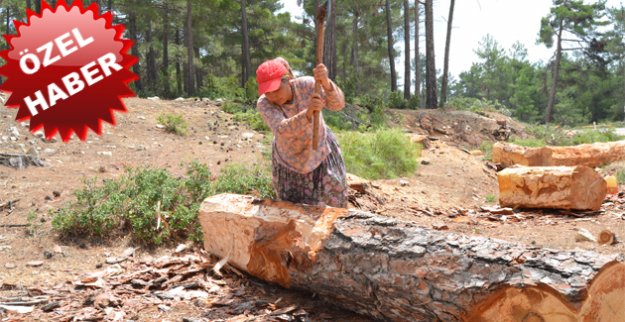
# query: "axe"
[[322, 10]]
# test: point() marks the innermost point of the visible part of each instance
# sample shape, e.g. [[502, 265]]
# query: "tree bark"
[[245, 55], [110, 5], [29, 4], [150, 60], [8, 20], [38, 6], [390, 43], [132, 29], [417, 55], [395, 271], [329, 50], [406, 50], [179, 80], [572, 188], [446, 61], [430, 66], [190, 73], [554, 82], [590, 155], [165, 66], [355, 59]]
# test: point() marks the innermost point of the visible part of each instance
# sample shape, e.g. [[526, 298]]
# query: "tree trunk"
[[446, 62], [179, 81], [430, 66], [590, 155], [355, 59], [554, 83], [396, 271], [572, 188], [8, 20], [199, 80], [417, 55], [132, 29], [165, 66], [189, 43], [245, 55], [329, 50], [110, 5], [38, 6], [28, 4], [150, 60], [390, 42], [406, 50]]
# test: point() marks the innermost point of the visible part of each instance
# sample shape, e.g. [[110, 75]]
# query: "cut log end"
[[605, 302]]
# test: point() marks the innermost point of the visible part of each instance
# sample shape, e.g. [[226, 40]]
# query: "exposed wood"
[[591, 155], [606, 237], [577, 188], [393, 270]]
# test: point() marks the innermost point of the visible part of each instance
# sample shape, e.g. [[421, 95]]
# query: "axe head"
[[322, 11]]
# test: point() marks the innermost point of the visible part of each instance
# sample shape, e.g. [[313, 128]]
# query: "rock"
[[180, 248], [13, 131], [247, 135], [56, 194], [179, 99], [403, 182], [160, 126], [105, 153], [141, 117], [10, 265], [47, 254], [49, 151], [34, 263], [154, 98], [425, 161]]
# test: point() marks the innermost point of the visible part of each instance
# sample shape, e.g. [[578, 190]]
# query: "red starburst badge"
[[67, 70]]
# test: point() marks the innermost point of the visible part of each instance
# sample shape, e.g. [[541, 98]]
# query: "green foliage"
[[487, 148], [490, 198], [557, 136], [620, 176], [151, 204], [476, 105], [243, 179], [174, 123], [384, 153], [250, 115]]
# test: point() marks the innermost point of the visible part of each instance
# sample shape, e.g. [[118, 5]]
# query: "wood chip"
[[584, 235]]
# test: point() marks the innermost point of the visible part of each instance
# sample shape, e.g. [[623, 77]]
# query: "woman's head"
[[273, 80]]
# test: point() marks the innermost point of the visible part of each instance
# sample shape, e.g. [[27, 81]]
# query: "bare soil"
[[449, 191]]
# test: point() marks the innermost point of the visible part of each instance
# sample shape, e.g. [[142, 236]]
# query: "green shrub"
[[620, 176], [490, 198], [243, 114], [557, 136], [536, 143], [477, 105], [148, 203], [243, 179], [487, 148], [174, 123], [385, 153]]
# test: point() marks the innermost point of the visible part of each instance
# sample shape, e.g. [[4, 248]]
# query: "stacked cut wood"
[[573, 188], [554, 177], [591, 155], [396, 271]]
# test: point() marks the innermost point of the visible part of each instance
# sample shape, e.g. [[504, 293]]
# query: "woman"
[[302, 174]]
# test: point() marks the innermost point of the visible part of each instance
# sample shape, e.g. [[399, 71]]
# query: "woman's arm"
[[279, 124]]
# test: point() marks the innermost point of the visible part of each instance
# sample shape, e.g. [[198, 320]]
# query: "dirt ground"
[[450, 189]]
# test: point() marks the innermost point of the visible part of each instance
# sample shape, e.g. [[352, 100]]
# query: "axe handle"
[[320, 33]]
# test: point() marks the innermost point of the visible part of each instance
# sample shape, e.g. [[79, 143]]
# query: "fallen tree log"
[[397, 271], [572, 188], [591, 155], [20, 161]]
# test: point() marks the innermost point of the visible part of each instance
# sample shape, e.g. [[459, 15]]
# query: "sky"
[[507, 21]]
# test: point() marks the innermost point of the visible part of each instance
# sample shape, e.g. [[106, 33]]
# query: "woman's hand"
[[320, 72], [316, 104]]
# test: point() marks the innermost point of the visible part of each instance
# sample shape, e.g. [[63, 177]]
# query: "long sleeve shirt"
[[293, 131]]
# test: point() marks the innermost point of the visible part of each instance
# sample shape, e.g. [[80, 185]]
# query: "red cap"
[[269, 75]]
